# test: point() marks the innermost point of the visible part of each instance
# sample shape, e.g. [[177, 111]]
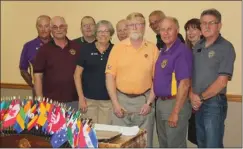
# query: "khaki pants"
[[133, 105], [99, 110], [172, 137]]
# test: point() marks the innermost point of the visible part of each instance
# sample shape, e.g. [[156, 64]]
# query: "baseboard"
[[231, 97]]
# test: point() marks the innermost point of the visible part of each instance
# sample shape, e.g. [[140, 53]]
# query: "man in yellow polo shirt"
[[129, 76]]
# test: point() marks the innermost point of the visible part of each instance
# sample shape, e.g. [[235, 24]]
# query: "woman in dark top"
[[193, 35], [89, 75]]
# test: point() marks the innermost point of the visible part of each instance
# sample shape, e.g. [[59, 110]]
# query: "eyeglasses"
[[88, 25], [211, 23], [61, 27], [136, 24], [154, 23], [105, 32]]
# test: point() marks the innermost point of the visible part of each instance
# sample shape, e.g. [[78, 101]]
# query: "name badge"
[[95, 53]]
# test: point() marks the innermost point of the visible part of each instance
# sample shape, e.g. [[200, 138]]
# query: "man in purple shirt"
[[173, 71], [30, 49]]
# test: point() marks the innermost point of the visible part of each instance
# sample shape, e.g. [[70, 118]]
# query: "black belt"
[[134, 95]]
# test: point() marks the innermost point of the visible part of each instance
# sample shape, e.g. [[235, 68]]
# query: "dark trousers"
[[192, 137]]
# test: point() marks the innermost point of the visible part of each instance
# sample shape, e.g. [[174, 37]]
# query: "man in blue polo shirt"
[[173, 71], [30, 49]]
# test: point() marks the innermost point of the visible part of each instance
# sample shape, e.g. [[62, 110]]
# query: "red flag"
[[81, 141], [56, 120], [12, 113]]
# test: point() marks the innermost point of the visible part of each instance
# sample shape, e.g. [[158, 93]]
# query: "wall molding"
[[231, 97], [15, 86]]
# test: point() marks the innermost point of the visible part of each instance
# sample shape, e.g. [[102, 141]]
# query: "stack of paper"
[[126, 131]]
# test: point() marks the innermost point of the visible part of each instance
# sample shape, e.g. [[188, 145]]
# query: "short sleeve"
[[82, 57], [24, 61], [40, 60], [111, 66], [183, 65], [227, 60]]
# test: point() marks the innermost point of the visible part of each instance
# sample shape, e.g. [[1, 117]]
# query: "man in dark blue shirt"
[[155, 18]]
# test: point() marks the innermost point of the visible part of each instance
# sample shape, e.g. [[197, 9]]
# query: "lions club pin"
[[72, 51], [164, 63], [211, 54]]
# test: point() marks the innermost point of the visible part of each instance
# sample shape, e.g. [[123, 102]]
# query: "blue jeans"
[[210, 122]]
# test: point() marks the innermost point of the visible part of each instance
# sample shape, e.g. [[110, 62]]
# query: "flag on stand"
[[42, 115], [12, 113], [19, 125], [81, 139], [56, 120], [59, 138]]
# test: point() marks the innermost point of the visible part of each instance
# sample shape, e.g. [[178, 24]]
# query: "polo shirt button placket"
[[101, 56]]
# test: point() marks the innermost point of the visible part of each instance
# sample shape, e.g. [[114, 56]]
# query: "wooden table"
[[138, 141]]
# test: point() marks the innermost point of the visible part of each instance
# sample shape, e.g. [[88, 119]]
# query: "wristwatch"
[[150, 104], [201, 98]]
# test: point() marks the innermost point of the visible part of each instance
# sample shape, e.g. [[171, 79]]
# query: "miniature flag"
[[81, 139], [19, 125], [56, 120], [12, 113], [59, 138], [42, 116]]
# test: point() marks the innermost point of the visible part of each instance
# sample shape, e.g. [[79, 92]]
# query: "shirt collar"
[[128, 42], [53, 42], [40, 41], [173, 47], [203, 40]]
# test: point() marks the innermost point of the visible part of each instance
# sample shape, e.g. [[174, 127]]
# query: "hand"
[[145, 109], [83, 105], [195, 101], [119, 112], [173, 119]]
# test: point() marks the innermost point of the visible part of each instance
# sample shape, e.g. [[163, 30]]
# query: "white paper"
[[126, 131]]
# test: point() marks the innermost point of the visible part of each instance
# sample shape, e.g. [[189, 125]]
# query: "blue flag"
[[93, 138], [59, 138]]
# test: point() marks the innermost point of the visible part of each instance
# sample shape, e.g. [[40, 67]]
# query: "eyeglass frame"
[[210, 23]]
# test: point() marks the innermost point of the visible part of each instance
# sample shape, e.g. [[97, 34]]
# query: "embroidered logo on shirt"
[[211, 54], [72, 51], [164, 63], [145, 55]]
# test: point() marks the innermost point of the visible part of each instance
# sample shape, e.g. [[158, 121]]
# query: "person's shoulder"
[[225, 43], [31, 42], [76, 39], [184, 49], [150, 44]]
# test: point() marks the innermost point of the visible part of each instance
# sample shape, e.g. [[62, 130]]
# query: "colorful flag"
[[11, 114], [4, 109], [71, 124], [56, 120], [59, 138], [19, 125], [42, 115], [93, 138], [32, 117], [81, 139]]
